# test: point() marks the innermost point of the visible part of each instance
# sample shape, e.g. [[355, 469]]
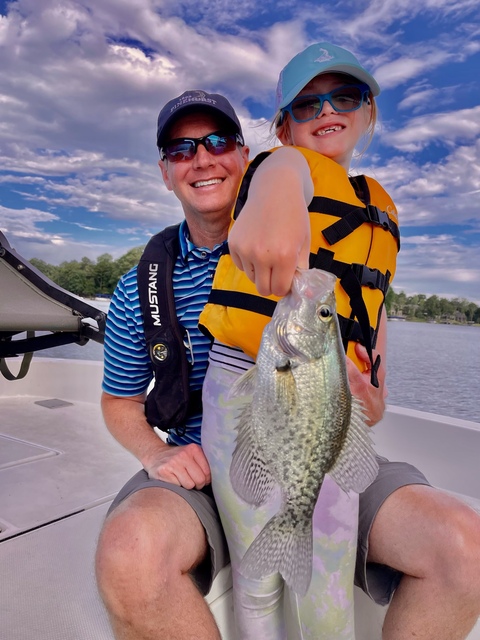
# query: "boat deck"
[[60, 468], [59, 471]]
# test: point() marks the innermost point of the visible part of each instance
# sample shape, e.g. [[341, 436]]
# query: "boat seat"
[[31, 302]]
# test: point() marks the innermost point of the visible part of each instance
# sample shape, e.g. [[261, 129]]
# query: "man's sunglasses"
[[343, 100], [216, 143]]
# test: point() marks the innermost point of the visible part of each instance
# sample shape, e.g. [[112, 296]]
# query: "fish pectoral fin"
[[356, 467], [286, 393], [249, 474], [281, 548], [245, 384]]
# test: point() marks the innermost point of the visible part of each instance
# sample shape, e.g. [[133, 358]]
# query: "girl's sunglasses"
[[216, 143], [343, 100]]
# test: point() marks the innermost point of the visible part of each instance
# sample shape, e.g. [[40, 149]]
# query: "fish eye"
[[324, 312]]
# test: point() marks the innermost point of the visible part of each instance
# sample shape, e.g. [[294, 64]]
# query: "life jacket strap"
[[351, 218], [242, 300], [324, 259], [246, 180]]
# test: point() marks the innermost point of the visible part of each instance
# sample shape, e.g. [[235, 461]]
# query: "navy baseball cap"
[[195, 100]]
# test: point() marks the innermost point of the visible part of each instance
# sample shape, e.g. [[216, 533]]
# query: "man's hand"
[[184, 465], [373, 398]]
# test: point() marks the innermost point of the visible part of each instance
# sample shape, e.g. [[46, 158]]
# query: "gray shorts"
[[378, 581], [203, 503]]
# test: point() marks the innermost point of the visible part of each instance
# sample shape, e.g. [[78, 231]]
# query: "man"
[[160, 549], [158, 545]]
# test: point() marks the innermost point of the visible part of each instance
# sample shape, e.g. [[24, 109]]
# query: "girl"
[[297, 207]]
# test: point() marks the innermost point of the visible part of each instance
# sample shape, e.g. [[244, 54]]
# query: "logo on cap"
[[193, 96], [324, 57]]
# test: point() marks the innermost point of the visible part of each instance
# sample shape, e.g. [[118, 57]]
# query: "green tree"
[[48, 269], [103, 274], [432, 307], [390, 300], [87, 268], [126, 262], [70, 277], [447, 309], [470, 310]]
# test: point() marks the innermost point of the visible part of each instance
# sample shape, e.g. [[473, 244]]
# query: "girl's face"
[[331, 133]]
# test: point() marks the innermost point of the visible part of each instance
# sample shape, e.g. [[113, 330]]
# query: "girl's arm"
[[271, 237]]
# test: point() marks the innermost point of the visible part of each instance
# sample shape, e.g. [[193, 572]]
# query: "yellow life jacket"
[[354, 234]]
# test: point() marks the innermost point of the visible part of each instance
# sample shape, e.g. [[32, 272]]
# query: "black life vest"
[[171, 402]]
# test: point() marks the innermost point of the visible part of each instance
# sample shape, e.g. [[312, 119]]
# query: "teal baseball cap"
[[321, 57]]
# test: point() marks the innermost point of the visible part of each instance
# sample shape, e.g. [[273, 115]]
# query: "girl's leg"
[[326, 611]]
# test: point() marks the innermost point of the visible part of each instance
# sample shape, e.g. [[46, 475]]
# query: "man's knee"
[[127, 560], [460, 552], [142, 551]]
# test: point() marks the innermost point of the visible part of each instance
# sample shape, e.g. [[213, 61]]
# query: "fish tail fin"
[[279, 548]]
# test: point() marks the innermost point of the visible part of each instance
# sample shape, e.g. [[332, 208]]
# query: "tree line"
[[88, 278], [431, 308]]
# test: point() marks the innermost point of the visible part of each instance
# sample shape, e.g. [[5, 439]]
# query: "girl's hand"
[[373, 398], [271, 236]]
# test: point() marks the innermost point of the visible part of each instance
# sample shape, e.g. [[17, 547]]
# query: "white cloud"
[[81, 83], [445, 128], [438, 265]]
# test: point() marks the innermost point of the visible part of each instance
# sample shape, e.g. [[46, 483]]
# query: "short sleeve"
[[127, 365]]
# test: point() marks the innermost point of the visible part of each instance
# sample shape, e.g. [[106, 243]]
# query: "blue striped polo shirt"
[[127, 367]]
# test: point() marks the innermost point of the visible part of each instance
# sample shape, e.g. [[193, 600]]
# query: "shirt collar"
[[187, 246]]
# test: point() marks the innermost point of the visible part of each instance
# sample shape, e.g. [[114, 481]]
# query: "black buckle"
[[378, 217], [372, 278]]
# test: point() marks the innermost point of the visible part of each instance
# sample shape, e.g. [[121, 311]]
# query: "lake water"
[[435, 367], [430, 367]]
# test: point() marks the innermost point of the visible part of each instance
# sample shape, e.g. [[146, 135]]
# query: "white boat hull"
[[59, 470]]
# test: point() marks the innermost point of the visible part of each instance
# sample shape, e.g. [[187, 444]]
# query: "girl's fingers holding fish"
[[372, 398]]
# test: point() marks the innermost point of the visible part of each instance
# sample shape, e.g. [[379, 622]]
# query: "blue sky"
[[82, 81]]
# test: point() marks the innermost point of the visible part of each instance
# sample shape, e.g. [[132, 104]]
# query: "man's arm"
[[185, 466]]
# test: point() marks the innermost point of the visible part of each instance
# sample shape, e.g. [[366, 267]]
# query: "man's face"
[[207, 184]]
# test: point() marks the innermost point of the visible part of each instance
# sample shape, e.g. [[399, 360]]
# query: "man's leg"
[[147, 548], [434, 540]]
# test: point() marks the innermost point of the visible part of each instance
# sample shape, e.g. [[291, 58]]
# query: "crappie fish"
[[299, 422]]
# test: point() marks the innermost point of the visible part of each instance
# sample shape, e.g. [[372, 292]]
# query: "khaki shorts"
[[378, 581]]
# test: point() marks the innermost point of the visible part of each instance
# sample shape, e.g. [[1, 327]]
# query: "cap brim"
[[346, 68]]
